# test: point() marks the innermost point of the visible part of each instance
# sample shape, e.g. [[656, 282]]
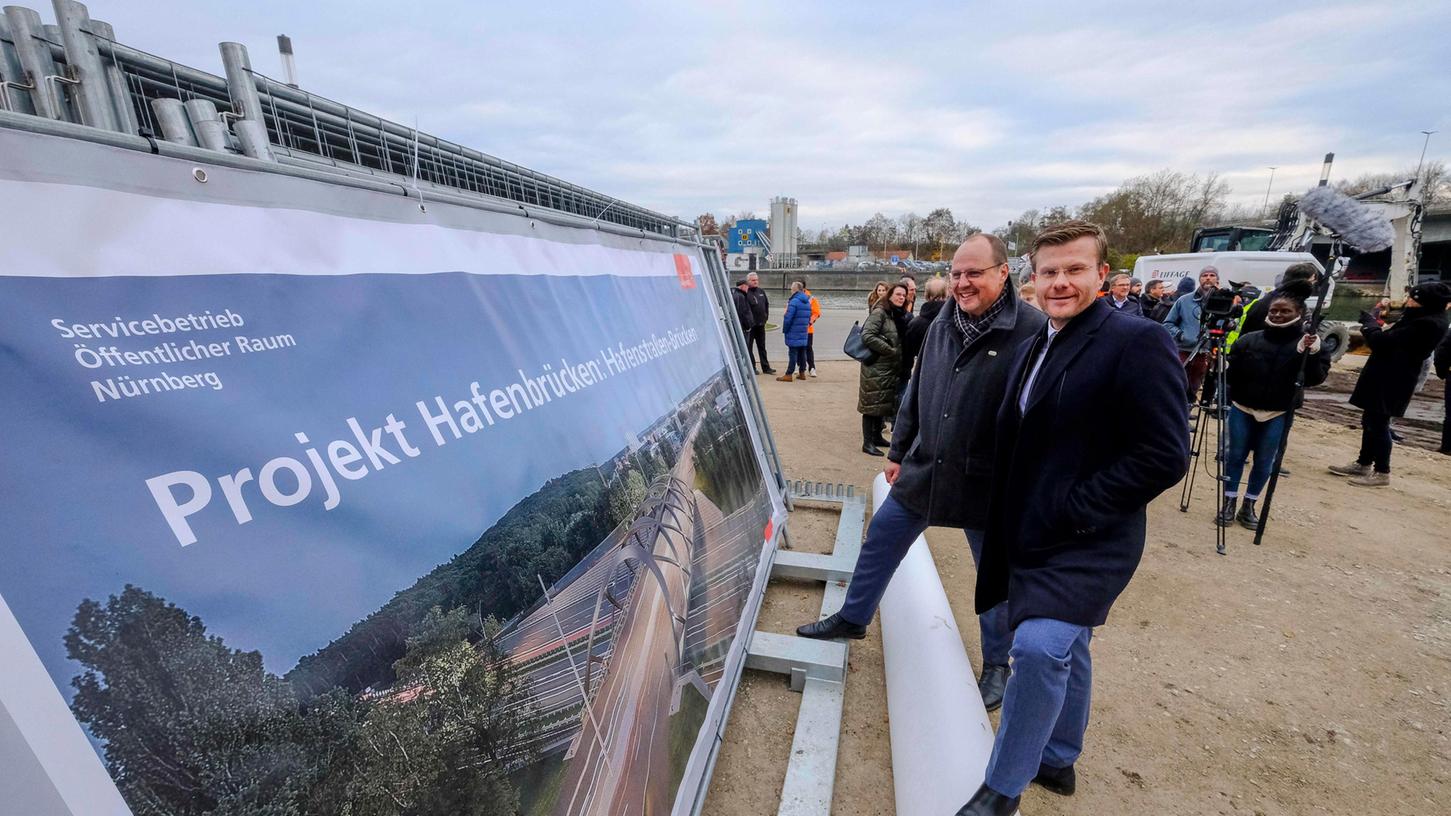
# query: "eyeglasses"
[[973, 274], [1071, 271]]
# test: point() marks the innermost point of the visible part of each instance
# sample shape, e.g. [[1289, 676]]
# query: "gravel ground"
[[1309, 675]]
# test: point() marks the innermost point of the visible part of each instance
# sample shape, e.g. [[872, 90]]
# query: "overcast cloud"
[[853, 108]]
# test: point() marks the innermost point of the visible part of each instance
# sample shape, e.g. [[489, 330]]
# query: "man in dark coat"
[[760, 311], [743, 314], [1093, 427], [1388, 380], [939, 464], [1155, 302], [936, 289]]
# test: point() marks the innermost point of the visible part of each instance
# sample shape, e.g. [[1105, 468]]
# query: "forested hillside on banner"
[[544, 535]]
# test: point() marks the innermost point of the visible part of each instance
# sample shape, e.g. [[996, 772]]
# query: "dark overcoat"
[[877, 389], [743, 309], [917, 332], [1104, 432], [944, 432], [1389, 378]]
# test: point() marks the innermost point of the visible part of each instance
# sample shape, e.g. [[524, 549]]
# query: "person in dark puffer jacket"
[[1263, 366], [877, 394]]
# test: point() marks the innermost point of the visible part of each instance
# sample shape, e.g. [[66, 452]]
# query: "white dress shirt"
[[1033, 373]]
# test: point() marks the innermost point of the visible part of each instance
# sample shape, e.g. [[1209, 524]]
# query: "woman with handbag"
[[877, 393]]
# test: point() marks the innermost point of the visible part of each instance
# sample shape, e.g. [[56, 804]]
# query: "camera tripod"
[[1211, 341]]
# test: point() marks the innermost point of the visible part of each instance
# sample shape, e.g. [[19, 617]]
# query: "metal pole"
[[83, 59], [1266, 209], [1422, 161], [242, 88], [35, 59]]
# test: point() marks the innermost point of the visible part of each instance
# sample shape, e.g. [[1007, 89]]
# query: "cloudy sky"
[[852, 108]]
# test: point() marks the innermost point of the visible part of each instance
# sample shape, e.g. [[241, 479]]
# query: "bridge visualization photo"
[[617, 650]]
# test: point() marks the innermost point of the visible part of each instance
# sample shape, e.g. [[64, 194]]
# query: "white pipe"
[[941, 737]]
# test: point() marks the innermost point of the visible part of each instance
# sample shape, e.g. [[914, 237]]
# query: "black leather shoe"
[[1247, 517], [992, 684], [768, 371], [832, 627], [1062, 781], [988, 802], [883, 443], [872, 450]]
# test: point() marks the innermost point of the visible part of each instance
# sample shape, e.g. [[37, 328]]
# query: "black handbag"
[[855, 348]]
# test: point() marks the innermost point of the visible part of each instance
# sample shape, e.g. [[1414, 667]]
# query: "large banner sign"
[[321, 500]]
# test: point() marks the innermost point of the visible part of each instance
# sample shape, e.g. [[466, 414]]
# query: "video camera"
[[1220, 306]]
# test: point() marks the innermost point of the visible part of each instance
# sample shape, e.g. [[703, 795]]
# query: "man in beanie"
[[1389, 378], [1185, 320]]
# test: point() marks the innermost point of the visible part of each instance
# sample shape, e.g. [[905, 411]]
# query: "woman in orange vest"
[[811, 331]]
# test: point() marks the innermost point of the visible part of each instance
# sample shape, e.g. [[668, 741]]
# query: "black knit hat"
[[1434, 295]]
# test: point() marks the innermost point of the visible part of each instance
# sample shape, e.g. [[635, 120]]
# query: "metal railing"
[[76, 71]]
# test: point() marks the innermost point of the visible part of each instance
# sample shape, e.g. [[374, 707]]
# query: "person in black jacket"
[[1093, 427], [760, 311], [743, 313], [1155, 302], [940, 461], [1442, 362], [1389, 378], [1263, 367], [936, 289]]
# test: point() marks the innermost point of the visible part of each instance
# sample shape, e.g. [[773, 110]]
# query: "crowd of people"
[[986, 383]]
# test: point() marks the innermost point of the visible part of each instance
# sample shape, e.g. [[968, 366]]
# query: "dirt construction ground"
[[1306, 676]]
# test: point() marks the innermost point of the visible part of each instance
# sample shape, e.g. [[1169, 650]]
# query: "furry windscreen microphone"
[[1356, 224]]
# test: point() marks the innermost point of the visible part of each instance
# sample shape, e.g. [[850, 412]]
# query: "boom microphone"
[[1356, 224]]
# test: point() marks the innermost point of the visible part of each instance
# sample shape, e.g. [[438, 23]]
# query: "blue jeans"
[[1246, 435], [1045, 708], [890, 535], [795, 359]]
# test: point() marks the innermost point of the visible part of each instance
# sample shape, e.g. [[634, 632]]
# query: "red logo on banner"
[[682, 270]]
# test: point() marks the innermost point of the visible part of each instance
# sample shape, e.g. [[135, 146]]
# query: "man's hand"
[[892, 471]]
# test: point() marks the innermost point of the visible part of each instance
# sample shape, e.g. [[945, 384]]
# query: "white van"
[[1262, 270]]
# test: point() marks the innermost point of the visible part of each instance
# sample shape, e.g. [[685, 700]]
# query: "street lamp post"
[[1422, 161], [1266, 209]]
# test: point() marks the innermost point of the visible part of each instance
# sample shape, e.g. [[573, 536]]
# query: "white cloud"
[[857, 108]]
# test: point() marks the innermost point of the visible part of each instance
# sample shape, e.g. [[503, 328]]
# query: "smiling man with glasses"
[[940, 462], [1094, 426]]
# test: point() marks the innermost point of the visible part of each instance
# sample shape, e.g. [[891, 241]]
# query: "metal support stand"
[[816, 668]]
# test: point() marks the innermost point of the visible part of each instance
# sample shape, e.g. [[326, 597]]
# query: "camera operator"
[[1258, 308], [1185, 322], [1388, 379], [1263, 367]]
